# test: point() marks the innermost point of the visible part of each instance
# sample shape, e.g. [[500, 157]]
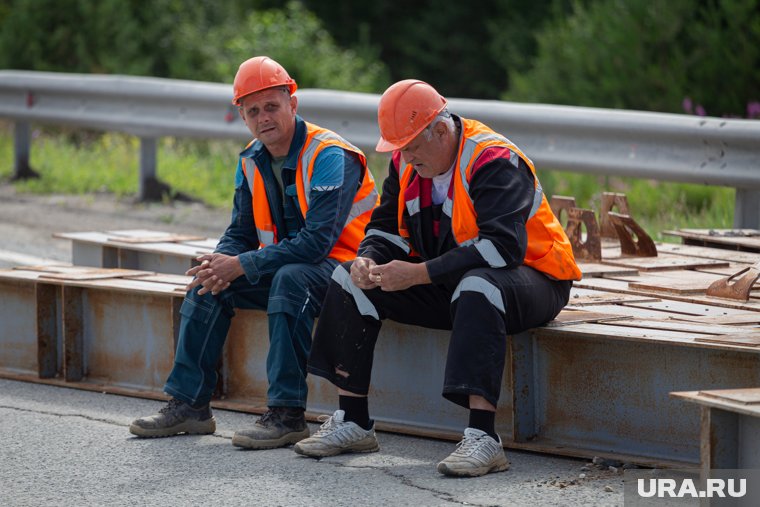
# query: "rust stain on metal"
[[737, 286], [591, 248], [611, 200], [627, 228]]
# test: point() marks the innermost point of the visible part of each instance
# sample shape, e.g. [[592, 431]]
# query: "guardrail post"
[[21, 146], [150, 189], [747, 209]]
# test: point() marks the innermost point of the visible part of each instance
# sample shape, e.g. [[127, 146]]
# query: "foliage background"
[[676, 56]]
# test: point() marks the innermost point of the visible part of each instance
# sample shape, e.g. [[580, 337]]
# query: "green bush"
[[198, 40], [639, 54]]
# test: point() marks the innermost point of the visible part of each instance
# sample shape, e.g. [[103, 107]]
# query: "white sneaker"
[[337, 436], [477, 454]]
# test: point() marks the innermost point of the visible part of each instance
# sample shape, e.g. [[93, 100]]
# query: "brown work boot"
[[278, 427], [175, 418]]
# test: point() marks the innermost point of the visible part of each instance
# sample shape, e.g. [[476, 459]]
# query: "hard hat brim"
[[384, 146]]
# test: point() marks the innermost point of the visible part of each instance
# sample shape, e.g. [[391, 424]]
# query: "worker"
[[463, 239], [303, 196]]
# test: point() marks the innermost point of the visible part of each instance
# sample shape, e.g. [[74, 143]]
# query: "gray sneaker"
[[337, 436], [477, 454], [278, 427], [175, 418]]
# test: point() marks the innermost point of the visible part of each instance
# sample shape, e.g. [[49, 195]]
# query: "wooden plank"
[[723, 404], [675, 307], [735, 319], [749, 396], [664, 262], [592, 269], [746, 339], [610, 332], [606, 298], [633, 311], [736, 238], [95, 274], [673, 325], [621, 287], [168, 238], [167, 278], [676, 282], [709, 253], [569, 316], [131, 285]]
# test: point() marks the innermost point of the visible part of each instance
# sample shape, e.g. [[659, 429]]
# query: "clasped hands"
[[395, 275], [215, 273]]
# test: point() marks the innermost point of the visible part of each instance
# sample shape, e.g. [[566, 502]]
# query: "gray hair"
[[442, 117]]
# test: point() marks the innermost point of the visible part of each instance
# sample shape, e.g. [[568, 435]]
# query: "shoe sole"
[[252, 443], [187, 427], [472, 472], [359, 447]]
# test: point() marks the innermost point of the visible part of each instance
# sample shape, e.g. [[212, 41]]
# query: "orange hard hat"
[[405, 109], [260, 73]]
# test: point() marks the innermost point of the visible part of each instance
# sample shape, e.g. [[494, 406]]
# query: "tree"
[[638, 54]]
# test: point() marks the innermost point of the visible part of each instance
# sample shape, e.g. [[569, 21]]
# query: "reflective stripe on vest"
[[364, 202]]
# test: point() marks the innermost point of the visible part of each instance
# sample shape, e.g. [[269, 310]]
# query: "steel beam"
[[610, 395], [562, 392]]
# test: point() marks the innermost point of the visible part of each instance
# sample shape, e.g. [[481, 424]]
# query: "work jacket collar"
[[258, 152]]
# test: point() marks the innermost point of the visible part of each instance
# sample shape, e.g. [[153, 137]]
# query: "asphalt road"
[[63, 447]]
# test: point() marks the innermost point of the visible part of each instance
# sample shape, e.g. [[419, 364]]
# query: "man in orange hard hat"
[[463, 239], [303, 196]]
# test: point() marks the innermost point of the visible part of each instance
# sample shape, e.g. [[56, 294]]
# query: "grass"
[[76, 162]]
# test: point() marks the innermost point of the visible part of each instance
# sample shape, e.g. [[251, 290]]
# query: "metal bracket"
[[611, 200], [560, 203], [627, 228], [739, 288], [591, 249]]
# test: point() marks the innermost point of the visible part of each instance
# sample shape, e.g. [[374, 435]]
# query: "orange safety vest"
[[549, 249], [317, 139]]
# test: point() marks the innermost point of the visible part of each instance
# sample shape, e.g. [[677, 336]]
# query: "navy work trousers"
[[292, 297], [481, 310]]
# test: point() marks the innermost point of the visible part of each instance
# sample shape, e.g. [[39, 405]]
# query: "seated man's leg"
[[205, 321], [294, 301], [343, 352], [488, 304]]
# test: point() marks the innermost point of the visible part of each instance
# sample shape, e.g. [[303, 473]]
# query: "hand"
[[399, 275], [360, 273], [215, 273]]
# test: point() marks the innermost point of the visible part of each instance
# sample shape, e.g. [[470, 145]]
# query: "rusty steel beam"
[[613, 395], [47, 301], [562, 392]]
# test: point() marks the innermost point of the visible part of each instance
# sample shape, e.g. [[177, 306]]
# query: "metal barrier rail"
[[702, 150]]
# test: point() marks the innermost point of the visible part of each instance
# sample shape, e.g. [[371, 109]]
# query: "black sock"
[[356, 409], [483, 420]]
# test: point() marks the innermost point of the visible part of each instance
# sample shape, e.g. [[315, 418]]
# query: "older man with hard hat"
[[303, 196], [463, 239]]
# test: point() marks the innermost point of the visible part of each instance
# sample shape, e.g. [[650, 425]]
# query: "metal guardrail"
[[702, 150]]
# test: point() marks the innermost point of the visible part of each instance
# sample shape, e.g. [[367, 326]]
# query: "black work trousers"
[[481, 310]]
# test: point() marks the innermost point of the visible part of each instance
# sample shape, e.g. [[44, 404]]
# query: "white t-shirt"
[[441, 186]]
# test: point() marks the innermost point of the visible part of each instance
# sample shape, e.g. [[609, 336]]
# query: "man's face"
[[270, 116], [429, 158]]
